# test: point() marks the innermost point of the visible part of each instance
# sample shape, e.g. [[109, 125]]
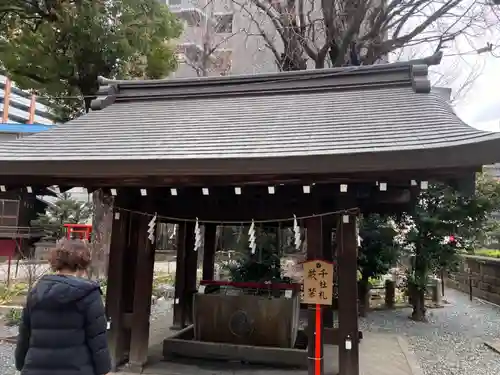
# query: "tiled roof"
[[326, 112]]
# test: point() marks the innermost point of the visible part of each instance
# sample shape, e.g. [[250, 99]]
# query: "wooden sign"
[[318, 282]]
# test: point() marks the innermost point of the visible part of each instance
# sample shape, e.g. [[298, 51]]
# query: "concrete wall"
[[485, 277]]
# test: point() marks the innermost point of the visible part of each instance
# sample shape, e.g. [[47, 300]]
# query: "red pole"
[[317, 347]]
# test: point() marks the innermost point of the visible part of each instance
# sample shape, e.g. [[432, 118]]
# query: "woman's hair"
[[70, 255]]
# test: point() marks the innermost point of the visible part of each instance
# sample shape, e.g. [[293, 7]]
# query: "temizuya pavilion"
[[210, 148]]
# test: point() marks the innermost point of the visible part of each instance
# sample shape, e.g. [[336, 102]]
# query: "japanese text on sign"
[[318, 282]]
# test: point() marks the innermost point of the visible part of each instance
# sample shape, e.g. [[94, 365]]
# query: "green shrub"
[[163, 278], [160, 280], [14, 290], [488, 253], [13, 317]]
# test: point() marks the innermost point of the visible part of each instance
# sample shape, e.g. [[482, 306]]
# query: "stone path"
[[387, 354]]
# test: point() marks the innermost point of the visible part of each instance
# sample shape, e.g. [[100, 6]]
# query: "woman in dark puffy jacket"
[[63, 328]]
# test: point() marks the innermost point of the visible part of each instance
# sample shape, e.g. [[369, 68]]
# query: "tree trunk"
[[390, 294], [364, 295], [102, 222], [418, 301], [417, 289]]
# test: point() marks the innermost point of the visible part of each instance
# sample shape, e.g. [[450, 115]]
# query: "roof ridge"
[[381, 75]]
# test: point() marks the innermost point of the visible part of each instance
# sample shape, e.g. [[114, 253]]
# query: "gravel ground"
[[159, 312], [7, 359], [452, 343], [7, 351]]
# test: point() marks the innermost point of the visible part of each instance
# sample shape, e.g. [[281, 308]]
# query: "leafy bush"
[[13, 317], [7, 294], [488, 253], [163, 278], [161, 281]]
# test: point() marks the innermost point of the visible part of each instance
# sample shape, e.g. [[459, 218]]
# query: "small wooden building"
[[243, 148], [17, 209]]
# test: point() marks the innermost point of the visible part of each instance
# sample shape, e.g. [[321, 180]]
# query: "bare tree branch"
[[261, 32], [353, 32]]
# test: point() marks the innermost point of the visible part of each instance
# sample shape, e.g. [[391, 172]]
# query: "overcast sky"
[[481, 106]]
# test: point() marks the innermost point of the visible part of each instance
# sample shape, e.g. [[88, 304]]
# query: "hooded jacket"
[[63, 329]]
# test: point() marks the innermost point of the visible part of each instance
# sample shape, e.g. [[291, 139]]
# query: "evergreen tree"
[[444, 224], [378, 252], [65, 210], [58, 49]]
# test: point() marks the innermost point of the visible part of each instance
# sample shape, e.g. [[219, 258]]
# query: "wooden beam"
[[179, 319], [348, 301], [209, 245], [264, 206], [142, 298], [116, 295], [81, 178], [191, 271], [327, 224]]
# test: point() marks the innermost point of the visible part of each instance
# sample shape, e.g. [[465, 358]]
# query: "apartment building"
[[221, 38], [493, 170], [21, 113]]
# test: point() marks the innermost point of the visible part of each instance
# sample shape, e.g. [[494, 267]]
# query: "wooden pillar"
[[116, 296], [145, 256], [209, 248], [191, 271], [314, 320], [327, 254], [348, 304], [179, 319]]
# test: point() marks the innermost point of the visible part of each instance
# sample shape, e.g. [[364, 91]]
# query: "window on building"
[[224, 23], [9, 210], [174, 2]]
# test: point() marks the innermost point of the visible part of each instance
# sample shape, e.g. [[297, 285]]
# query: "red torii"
[[81, 231]]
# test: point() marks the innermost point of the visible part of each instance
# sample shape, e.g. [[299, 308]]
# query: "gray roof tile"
[[341, 119]]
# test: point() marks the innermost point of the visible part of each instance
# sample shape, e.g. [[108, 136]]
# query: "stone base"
[[132, 368], [182, 344]]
